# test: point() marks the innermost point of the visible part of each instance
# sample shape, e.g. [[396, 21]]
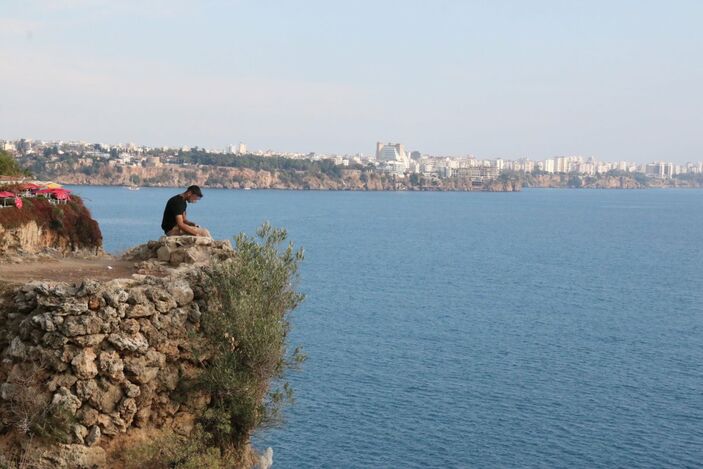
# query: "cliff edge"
[[95, 369]]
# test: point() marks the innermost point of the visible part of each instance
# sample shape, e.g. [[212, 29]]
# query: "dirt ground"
[[67, 270]]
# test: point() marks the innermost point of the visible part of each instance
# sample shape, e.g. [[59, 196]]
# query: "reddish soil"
[[67, 270]]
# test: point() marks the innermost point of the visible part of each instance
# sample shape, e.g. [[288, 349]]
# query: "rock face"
[[111, 354], [40, 228]]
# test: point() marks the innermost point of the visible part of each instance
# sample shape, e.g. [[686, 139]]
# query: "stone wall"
[[115, 354]]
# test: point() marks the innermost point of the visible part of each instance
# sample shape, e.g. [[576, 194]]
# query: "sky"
[[616, 80]]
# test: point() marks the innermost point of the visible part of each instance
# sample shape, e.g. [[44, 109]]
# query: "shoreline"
[[291, 189]]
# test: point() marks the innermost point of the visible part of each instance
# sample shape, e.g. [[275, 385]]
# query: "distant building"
[[390, 152], [153, 162], [242, 149], [660, 170]]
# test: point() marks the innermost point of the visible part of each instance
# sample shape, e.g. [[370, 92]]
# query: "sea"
[[545, 328]]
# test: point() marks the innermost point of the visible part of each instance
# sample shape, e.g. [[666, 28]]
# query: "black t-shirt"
[[176, 205]]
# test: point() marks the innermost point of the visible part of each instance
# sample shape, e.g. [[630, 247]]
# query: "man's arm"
[[181, 222], [188, 222]]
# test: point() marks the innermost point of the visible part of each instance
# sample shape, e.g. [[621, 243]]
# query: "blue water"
[[548, 328]]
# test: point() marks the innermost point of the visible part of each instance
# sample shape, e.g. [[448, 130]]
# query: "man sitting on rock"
[[174, 222]]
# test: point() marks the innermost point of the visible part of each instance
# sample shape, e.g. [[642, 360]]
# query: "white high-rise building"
[[390, 152]]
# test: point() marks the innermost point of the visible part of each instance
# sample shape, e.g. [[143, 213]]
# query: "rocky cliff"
[[102, 361], [171, 175], [584, 182]]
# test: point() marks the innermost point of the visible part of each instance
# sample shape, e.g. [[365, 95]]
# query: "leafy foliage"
[[9, 166], [247, 328], [265, 163]]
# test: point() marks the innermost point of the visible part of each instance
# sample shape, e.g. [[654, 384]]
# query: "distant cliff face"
[[583, 182], [40, 226], [245, 178]]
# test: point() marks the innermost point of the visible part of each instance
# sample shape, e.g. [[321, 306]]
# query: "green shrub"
[[246, 327], [8, 165]]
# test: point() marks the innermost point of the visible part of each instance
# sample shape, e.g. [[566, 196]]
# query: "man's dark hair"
[[195, 190]]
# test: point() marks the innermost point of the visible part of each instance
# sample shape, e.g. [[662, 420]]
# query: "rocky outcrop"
[[171, 252], [113, 355], [41, 228], [31, 241]]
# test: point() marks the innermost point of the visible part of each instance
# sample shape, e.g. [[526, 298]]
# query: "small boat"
[[133, 188]]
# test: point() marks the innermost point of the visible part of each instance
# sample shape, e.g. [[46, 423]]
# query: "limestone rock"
[[111, 424], [111, 365], [17, 349], [63, 398], [130, 326], [137, 297], [75, 456], [84, 365], [93, 437], [163, 253], [130, 389], [87, 415], [61, 380], [79, 432], [127, 409], [44, 322], [129, 342], [140, 311], [86, 389], [107, 397], [145, 368], [92, 340], [81, 325]]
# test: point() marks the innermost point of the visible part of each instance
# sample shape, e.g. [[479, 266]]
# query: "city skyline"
[[499, 80]]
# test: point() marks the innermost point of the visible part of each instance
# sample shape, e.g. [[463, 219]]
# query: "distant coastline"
[[275, 172], [352, 180]]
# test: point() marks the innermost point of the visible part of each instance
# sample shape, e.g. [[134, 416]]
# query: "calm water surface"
[[548, 328]]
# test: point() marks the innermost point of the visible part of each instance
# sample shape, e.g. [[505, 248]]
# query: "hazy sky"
[[617, 79]]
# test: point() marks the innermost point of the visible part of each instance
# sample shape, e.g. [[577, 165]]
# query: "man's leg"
[[175, 231], [199, 232], [203, 232]]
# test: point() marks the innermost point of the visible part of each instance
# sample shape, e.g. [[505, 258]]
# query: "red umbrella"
[[28, 186], [5, 194]]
